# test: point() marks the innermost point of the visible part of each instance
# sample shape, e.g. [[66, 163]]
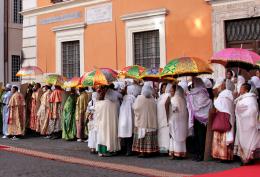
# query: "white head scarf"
[[179, 91], [184, 85], [219, 82], [129, 81], [225, 102], [240, 81], [112, 95], [130, 90], [147, 91], [256, 81], [168, 88], [207, 83]]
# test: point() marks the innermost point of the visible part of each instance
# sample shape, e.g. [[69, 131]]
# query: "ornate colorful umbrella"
[[186, 66], [29, 71], [134, 71], [152, 74], [236, 57], [103, 76], [73, 82], [55, 79]]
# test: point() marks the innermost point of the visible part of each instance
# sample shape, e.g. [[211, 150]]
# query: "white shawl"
[[225, 103], [247, 136]]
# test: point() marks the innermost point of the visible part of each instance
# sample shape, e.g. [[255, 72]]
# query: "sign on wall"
[[99, 14], [60, 18]]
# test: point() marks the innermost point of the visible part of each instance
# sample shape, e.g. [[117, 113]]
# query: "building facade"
[[235, 23], [71, 37], [11, 40]]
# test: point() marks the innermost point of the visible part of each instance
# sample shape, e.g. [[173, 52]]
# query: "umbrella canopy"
[[29, 71], [134, 71], [236, 57], [151, 74], [103, 76], [186, 66], [73, 82], [55, 79]]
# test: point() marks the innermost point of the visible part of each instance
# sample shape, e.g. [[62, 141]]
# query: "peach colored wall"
[[43, 3], [46, 43], [188, 32]]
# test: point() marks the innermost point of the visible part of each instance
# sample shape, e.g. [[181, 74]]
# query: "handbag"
[[221, 122]]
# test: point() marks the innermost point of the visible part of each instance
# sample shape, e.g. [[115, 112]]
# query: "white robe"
[[225, 103], [6, 98], [178, 124], [92, 124], [162, 119], [126, 117], [248, 136], [107, 120]]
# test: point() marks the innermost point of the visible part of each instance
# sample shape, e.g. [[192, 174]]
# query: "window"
[[16, 65], [17, 8], [147, 49], [70, 59]]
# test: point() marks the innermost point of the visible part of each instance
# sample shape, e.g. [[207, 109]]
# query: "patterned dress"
[[44, 113], [16, 119], [56, 111]]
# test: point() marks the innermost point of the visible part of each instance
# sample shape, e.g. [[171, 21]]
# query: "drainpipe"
[[6, 38]]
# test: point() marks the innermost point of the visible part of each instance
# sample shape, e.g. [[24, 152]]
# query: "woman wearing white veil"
[[178, 122], [126, 121], [199, 105], [222, 141], [163, 104], [145, 133]]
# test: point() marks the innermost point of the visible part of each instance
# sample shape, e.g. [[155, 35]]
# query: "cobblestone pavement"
[[80, 150]]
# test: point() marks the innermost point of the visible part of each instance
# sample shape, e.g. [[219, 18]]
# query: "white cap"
[[9, 86]]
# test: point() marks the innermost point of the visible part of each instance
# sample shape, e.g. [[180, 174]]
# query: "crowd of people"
[[143, 118]]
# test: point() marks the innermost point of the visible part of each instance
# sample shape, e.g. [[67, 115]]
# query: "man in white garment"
[[5, 102], [247, 135]]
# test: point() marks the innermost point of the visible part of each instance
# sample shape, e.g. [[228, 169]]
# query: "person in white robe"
[[199, 105], [240, 81], [247, 135], [222, 145], [145, 133], [92, 124], [163, 103], [6, 98], [106, 113], [126, 121], [178, 123]]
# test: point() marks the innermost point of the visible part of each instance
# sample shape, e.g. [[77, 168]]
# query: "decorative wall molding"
[[145, 14], [69, 27], [60, 6], [70, 34]]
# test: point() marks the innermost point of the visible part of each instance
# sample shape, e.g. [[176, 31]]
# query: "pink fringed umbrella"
[[236, 57]]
